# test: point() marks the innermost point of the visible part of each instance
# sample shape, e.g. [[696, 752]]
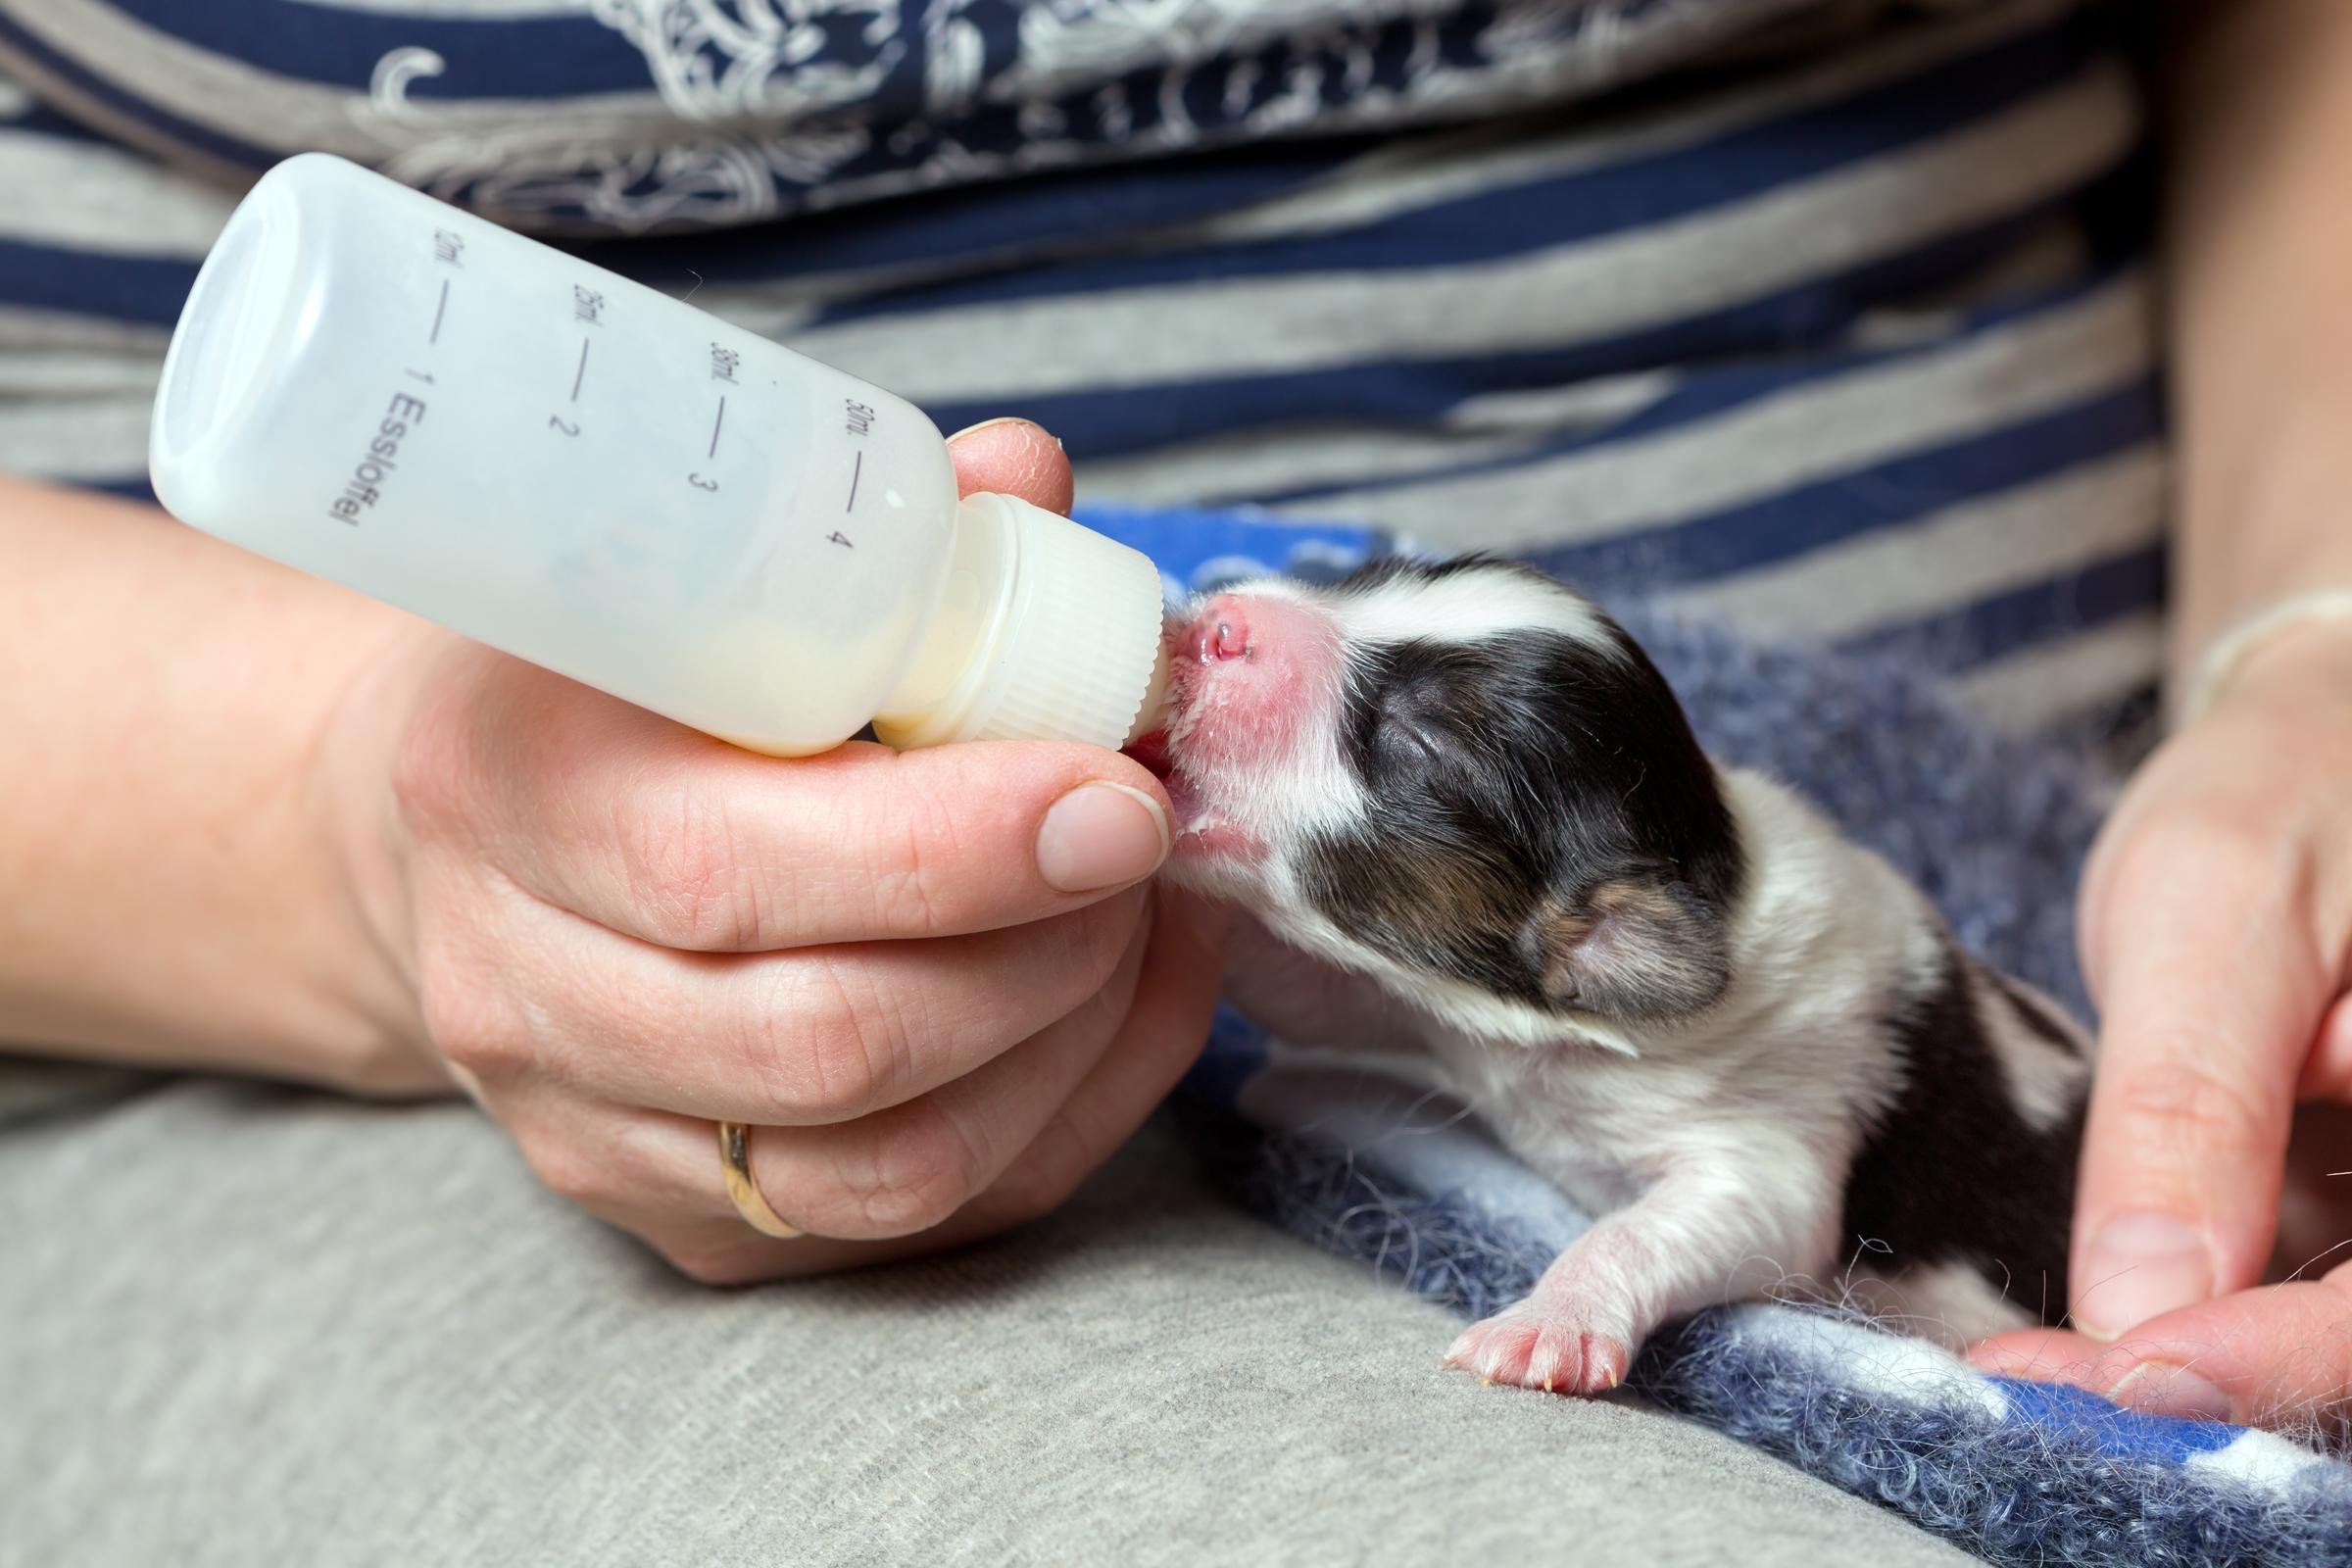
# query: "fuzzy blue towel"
[[1994, 830]]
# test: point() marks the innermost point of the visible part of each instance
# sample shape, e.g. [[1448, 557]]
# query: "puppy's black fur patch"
[[1953, 1173], [1545, 825]]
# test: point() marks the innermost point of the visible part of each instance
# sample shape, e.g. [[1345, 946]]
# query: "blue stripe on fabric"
[[1708, 393], [38, 119], [1860, 501], [1095, 422], [2008, 623], [2118, 1433], [1198, 549], [945, 226], [557, 56], [1236, 1052], [138, 488], [183, 132], [122, 288], [1508, 221]]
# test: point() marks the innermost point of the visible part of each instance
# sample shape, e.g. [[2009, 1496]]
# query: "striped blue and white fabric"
[[1817, 329], [1823, 316]]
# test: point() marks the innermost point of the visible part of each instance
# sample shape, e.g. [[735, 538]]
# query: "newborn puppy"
[[1475, 812]]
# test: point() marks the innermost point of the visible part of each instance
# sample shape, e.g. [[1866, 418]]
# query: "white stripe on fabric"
[[1650, 277], [2029, 365], [1407, 1132], [1893, 1365], [24, 327], [48, 372], [94, 197], [76, 439], [1252, 463], [2080, 673], [1981, 546], [2265, 1461]]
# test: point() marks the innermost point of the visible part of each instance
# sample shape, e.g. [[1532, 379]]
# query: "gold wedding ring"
[[735, 1163]]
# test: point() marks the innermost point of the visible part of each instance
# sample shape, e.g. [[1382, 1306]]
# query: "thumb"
[[2212, 993], [1012, 458]]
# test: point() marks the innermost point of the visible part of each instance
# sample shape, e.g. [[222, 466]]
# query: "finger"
[[909, 1167], [810, 1037], [1161, 1035], [657, 1176], [2211, 992], [2045, 1355], [1165, 1028], [670, 837], [1012, 458], [2260, 1357]]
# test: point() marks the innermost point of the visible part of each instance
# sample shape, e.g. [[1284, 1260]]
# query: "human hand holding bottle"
[[936, 983], [360, 851]]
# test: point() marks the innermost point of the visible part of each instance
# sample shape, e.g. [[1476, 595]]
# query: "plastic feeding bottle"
[[411, 401]]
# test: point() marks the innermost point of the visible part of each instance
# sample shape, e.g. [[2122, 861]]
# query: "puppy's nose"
[[1221, 631]]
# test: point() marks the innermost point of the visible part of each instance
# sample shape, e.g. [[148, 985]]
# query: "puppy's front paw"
[[1543, 1346]]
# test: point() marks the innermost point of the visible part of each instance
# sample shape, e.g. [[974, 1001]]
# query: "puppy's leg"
[[1707, 1230], [1310, 1002]]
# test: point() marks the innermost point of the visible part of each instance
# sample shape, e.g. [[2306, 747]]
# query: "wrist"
[[359, 835], [171, 892]]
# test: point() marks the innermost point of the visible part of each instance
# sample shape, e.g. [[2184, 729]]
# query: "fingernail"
[[2160, 1387], [2140, 1263], [986, 424], [1101, 835]]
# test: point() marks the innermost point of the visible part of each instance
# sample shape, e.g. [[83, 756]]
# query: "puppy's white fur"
[[1715, 1148]]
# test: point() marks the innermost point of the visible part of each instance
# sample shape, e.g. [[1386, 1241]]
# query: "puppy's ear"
[[1637, 947]]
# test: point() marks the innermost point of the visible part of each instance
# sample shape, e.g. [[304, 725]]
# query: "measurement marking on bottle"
[[856, 469], [435, 337], [419, 376], [580, 375], [717, 425]]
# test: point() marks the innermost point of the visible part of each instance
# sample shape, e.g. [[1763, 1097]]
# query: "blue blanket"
[[1994, 830]]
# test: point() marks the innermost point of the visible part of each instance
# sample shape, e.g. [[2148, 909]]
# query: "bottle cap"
[[1047, 631]]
